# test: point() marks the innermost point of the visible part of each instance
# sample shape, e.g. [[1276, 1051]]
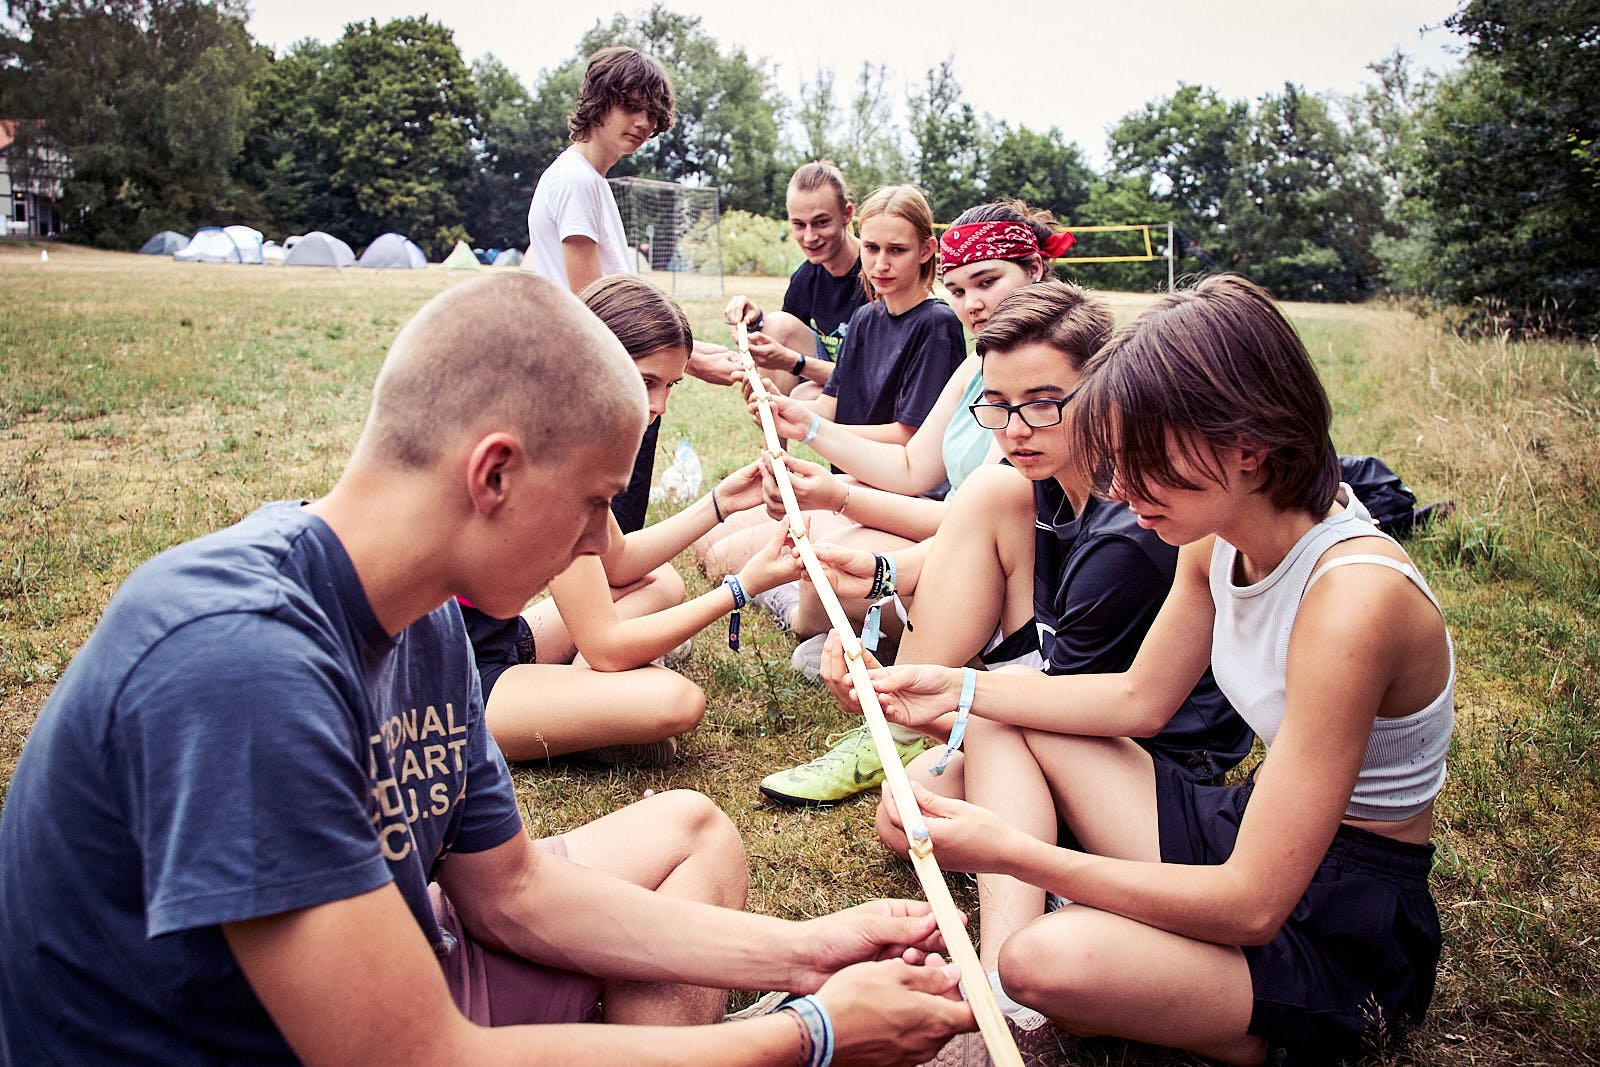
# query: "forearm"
[[765, 1041], [1091, 705], [912, 517], [884, 464], [1215, 903], [896, 433], [646, 549], [631, 643]]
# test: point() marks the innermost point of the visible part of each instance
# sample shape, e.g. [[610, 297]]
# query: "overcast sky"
[[1039, 63]]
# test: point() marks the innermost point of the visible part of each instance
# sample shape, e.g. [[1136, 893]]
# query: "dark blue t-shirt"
[[825, 303], [893, 367], [239, 737], [1099, 580]]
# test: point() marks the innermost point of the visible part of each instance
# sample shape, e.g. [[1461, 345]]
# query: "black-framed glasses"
[[1038, 414]]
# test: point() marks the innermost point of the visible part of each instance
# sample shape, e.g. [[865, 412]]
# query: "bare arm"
[[818, 489], [632, 556], [583, 596], [353, 982], [912, 467], [582, 259], [1350, 648], [1135, 703]]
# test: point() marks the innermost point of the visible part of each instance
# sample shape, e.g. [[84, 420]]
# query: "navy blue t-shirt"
[[825, 303], [893, 367], [1099, 580], [239, 737]]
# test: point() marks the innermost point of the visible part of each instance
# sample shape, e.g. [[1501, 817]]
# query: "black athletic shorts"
[[497, 644], [1355, 961]]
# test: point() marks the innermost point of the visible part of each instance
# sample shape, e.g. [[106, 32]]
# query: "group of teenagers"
[[266, 815]]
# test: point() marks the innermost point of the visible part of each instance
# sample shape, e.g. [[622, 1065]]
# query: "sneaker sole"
[[808, 802]]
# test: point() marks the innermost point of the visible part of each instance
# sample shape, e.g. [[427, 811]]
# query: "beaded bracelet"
[[816, 1047], [732, 582], [969, 681]]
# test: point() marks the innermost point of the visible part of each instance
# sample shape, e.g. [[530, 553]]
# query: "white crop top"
[[1404, 766]]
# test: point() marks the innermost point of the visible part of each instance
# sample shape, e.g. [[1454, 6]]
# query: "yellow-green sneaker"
[[850, 766]]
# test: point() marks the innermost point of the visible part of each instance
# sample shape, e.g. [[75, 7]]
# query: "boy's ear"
[[489, 465], [1251, 456]]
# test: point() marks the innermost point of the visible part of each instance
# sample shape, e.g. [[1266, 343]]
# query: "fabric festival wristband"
[[811, 433], [818, 1026], [732, 582], [969, 681], [882, 592]]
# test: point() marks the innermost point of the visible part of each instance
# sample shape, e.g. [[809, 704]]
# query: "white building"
[[29, 202]]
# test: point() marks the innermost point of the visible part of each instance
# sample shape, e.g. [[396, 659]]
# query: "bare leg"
[[1098, 973], [552, 642], [680, 844], [979, 572], [539, 710], [748, 532]]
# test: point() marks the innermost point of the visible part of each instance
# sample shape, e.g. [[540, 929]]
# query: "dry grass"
[[144, 402]]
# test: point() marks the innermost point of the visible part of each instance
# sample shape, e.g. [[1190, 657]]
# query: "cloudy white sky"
[[1040, 63]]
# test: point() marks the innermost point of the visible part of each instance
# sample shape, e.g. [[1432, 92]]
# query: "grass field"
[[144, 402]]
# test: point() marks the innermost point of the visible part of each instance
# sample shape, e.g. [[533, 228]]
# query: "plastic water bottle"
[[681, 481]]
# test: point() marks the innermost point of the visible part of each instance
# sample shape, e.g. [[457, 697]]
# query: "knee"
[[1056, 973], [711, 553], [666, 587], [683, 703], [710, 838], [790, 332]]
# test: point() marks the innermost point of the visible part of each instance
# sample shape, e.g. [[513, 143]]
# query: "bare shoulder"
[[995, 483]]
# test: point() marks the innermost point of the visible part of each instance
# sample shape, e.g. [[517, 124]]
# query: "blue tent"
[[164, 244]]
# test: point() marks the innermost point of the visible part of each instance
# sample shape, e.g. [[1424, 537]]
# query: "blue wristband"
[[732, 582], [969, 681], [811, 433], [817, 1027]]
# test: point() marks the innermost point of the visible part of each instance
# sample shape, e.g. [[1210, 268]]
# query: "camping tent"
[[319, 249], [210, 244], [393, 250], [273, 252], [248, 240], [508, 257], [461, 258], [164, 244]]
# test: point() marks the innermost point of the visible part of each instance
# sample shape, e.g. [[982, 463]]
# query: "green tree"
[[147, 99], [1179, 146], [1506, 167], [403, 113], [518, 142], [1118, 200], [1039, 168], [1302, 209], [947, 144], [287, 157]]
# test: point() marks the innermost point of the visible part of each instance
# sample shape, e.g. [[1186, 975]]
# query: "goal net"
[[674, 232]]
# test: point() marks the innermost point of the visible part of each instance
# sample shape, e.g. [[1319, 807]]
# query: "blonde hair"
[[904, 202], [819, 173]]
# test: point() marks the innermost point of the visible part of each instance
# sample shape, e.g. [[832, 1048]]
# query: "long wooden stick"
[[991, 1023]]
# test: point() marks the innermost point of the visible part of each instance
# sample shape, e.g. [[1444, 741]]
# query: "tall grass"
[[144, 402]]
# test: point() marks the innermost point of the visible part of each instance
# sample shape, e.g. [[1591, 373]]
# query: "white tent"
[[393, 250], [210, 244], [319, 249], [273, 252], [248, 240], [508, 257]]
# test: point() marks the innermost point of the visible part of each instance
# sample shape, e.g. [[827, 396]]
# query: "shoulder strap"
[[1383, 561]]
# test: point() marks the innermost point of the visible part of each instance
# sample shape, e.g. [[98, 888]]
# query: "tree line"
[[1476, 189]]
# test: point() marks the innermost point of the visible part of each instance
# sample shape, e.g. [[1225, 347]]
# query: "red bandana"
[[976, 241]]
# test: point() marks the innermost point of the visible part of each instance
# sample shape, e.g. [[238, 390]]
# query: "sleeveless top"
[[965, 444], [1404, 766]]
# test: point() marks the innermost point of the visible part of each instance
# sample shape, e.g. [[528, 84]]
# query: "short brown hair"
[[644, 318], [621, 77], [1063, 316], [819, 173], [508, 350], [906, 202], [1216, 366]]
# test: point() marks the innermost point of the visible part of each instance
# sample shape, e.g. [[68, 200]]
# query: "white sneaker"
[[781, 600], [807, 658]]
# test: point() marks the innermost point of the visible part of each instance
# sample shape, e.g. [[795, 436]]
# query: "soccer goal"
[[675, 234], [1138, 249]]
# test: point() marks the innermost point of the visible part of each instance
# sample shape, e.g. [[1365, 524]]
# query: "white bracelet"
[[811, 433], [840, 509]]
